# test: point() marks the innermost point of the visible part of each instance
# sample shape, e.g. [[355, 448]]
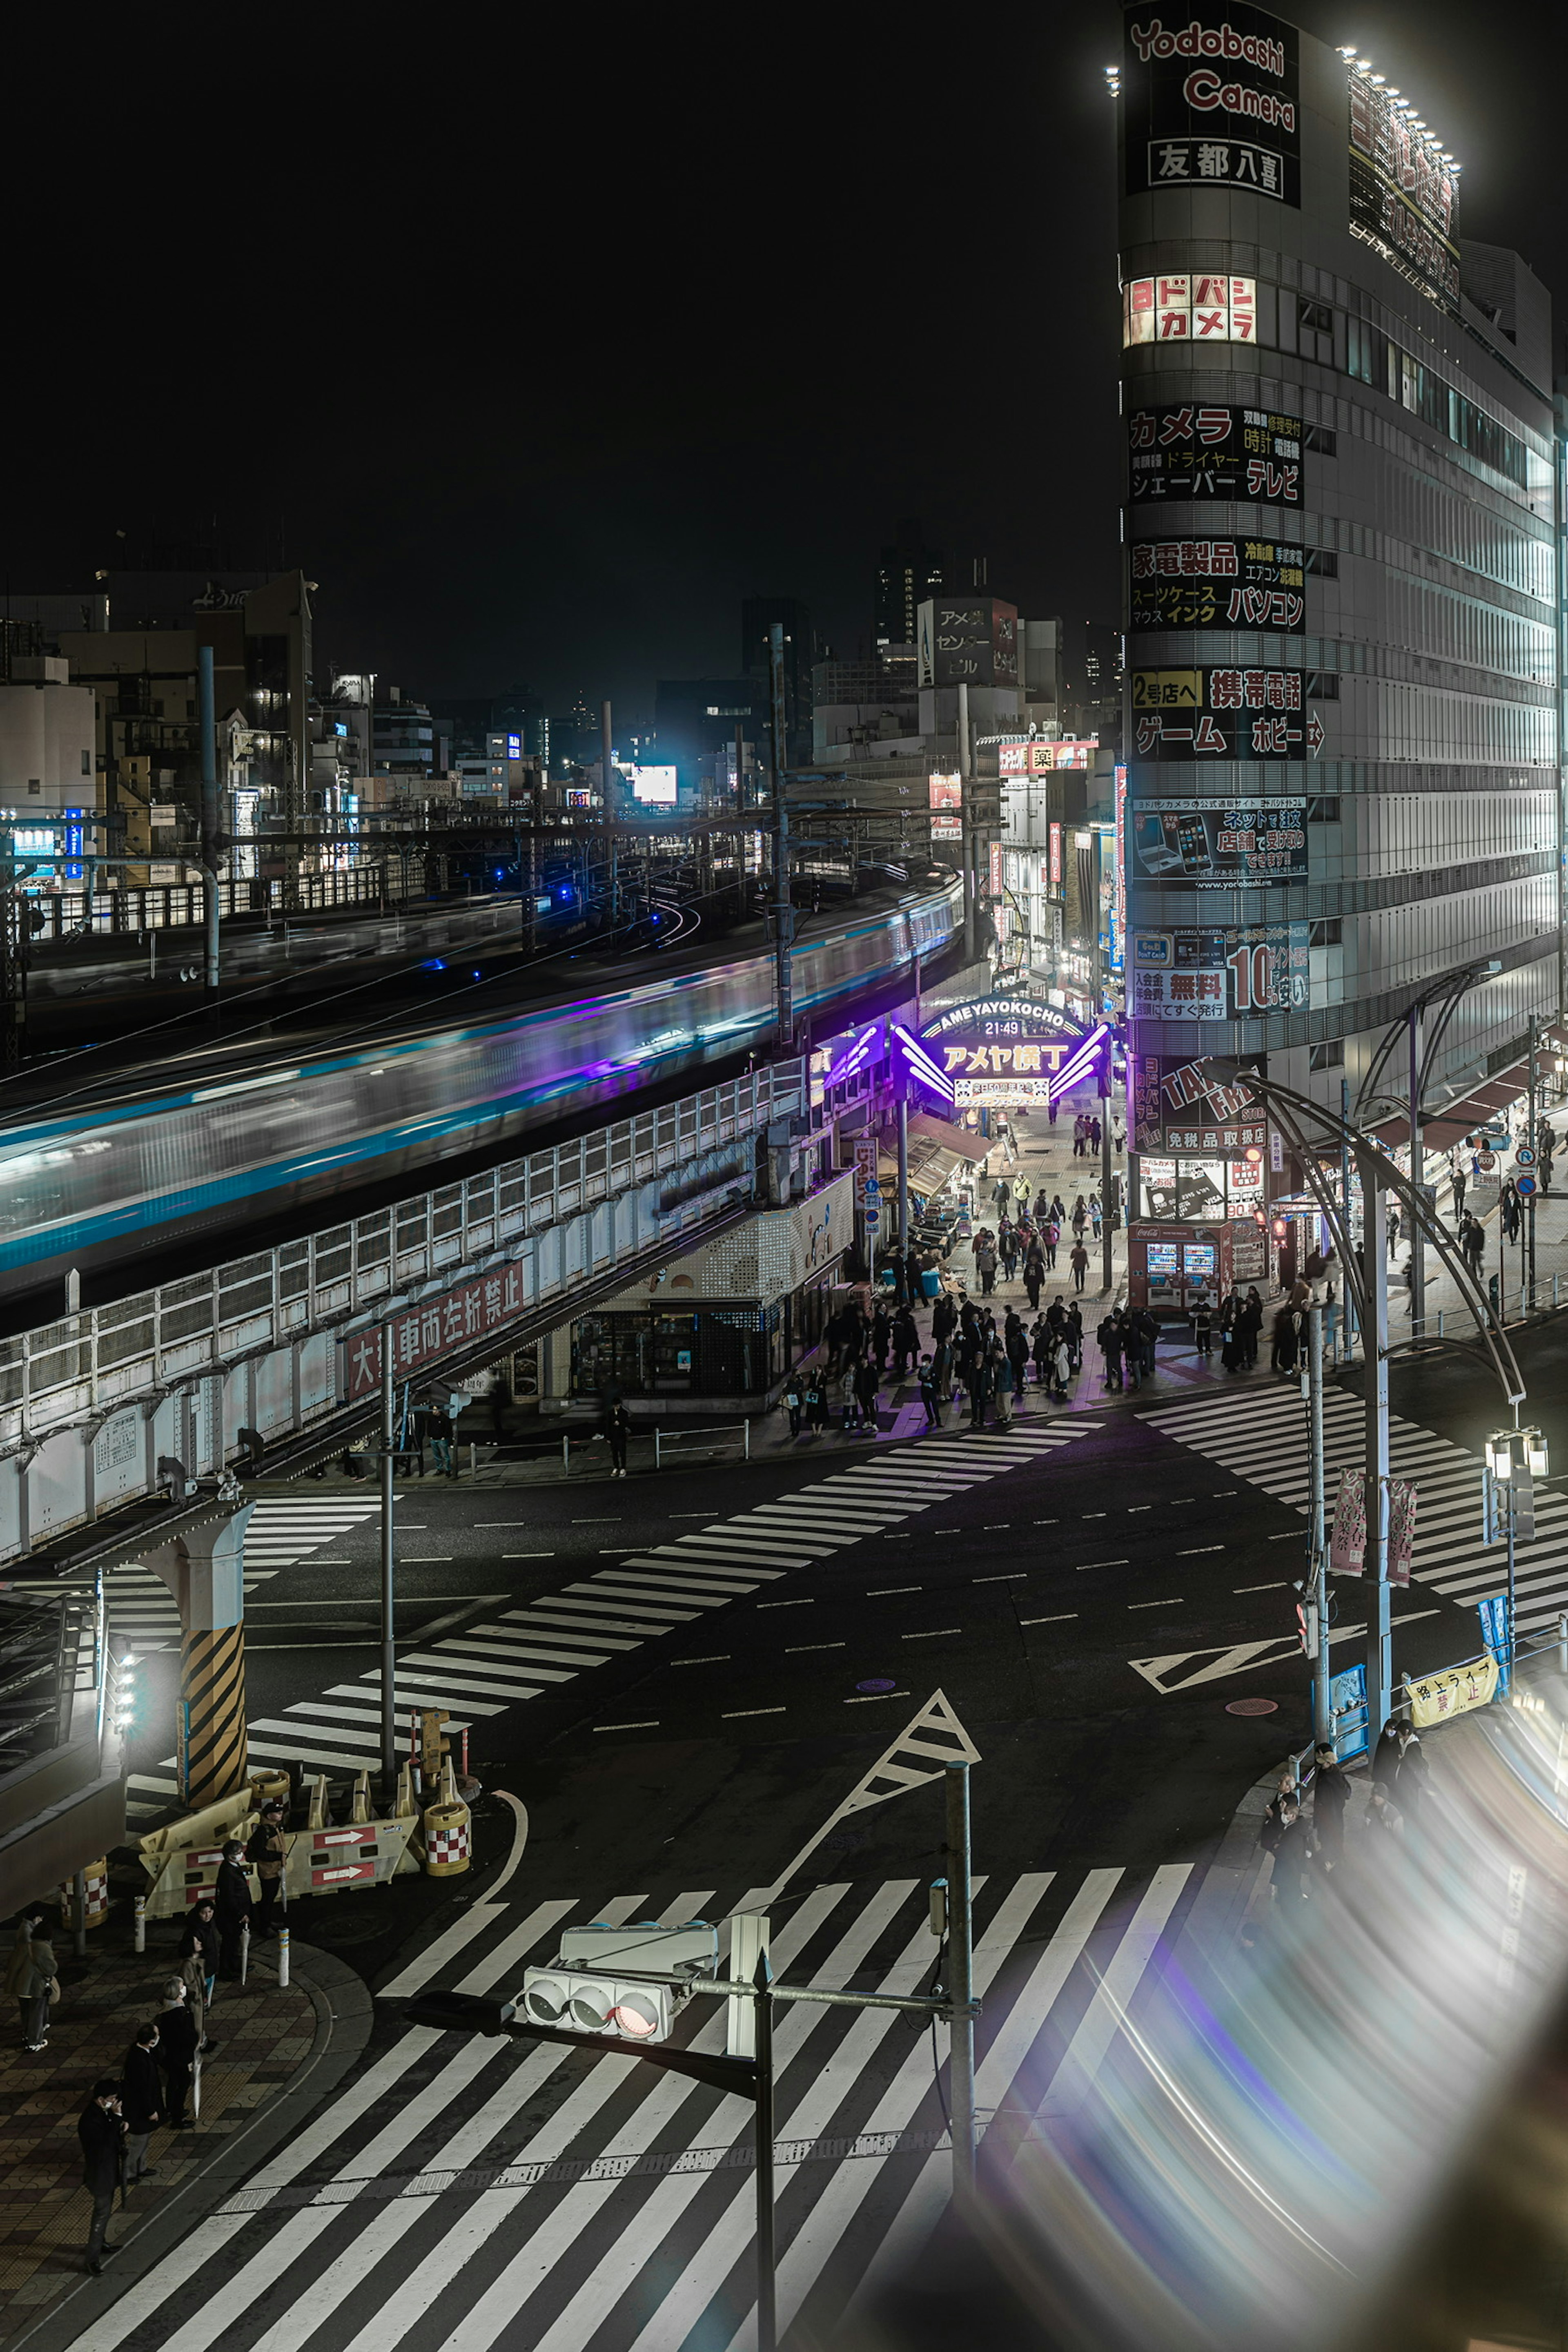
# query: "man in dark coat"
[[176, 2050], [231, 1898], [202, 1945], [142, 2101], [102, 2137]]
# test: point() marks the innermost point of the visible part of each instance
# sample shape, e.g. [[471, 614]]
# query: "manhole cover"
[[345, 1931], [1251, 1706], [885, 1683]]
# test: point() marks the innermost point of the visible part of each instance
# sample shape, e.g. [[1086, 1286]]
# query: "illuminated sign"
[[1119, 877], [655, 785], [73, 842], [1219, 714], [1219, 975], [1042, 759], [1006, 1049], [1189, 308], [1177, 1106], [946, 792], [1213, 98], [1403, 190], [1213, 844], [1219, 583], [578, 797], [514, 747], [1201, 450], [974, 643], [1056, 861]]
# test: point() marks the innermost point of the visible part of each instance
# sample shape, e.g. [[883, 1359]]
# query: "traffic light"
[[598, 1985]]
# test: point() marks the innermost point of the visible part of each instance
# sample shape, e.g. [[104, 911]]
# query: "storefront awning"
[[1480, 1105]]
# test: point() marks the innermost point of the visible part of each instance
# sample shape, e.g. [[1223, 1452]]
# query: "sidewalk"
[[265, 2036]]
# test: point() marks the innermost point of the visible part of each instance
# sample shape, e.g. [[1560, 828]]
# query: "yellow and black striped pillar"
[[213, 1760]]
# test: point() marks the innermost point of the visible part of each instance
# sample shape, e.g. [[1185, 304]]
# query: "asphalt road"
[[1026, 1599]]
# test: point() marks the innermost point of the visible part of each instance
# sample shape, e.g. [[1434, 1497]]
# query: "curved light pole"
[[1307, 1127]]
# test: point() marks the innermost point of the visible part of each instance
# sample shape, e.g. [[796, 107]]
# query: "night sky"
[[539, 358]]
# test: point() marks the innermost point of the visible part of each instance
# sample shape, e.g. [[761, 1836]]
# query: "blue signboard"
[[1493, 1613], [74, 839], [1347, 1712]]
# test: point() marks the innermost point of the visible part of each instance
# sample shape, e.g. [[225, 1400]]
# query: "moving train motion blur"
[[129, 1168]]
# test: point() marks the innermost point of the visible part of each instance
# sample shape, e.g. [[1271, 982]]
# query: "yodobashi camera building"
[[1342, 539]]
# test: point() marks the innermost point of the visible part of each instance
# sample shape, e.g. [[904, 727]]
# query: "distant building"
[[695, 717], [907, 574]]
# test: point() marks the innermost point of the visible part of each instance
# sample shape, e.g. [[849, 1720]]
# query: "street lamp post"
[[1515, 1459]]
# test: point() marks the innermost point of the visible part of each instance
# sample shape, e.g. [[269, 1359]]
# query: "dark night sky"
[[547, 356]]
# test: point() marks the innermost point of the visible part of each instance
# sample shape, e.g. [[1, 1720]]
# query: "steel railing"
[[86, 1365]]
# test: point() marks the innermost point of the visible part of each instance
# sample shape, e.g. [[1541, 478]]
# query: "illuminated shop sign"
[[1178, 1106], [1008, 1050], [1223, 714], [1200, 450], [1219, 975], [1038, 758], [1404, 189], [1212, 97], [654, 785], [1189, 310], [1219, 583], [1215, 844]]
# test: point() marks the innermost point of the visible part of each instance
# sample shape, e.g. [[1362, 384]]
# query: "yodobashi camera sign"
[[1212, 99]]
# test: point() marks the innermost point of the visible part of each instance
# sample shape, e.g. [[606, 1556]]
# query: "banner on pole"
[[1454, 1691], [1401, 1529], [1347, 1538]]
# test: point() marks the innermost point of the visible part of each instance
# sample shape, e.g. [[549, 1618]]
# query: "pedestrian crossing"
[[650, 1590], [1262, 1436], [460, 2194]]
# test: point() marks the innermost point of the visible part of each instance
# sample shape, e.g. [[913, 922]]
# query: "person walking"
[[1033, 1275], [986, 1263], [1108, 1336], [1251, 1323], [866, 1384], [102, 2134], [618, 1430], [1203, 1325], [178, 2038], [438, 1429], [1095, 1217], [18, 1968], [1457, 1165], [1078, 1259], [792, 1400], [1080, 1217], [816, 1402], [1060, 1366], [980, 1385], [232, 1902], [930, 1396], [906, 1342], [268, 1854], [1050, 1235], [1004, 1381], [1095, 1133], [1008, 1247], [40, 1986], [201, 1949], [141, 2101], [1331, 1795], [1079, 1138], [1075, 1334]]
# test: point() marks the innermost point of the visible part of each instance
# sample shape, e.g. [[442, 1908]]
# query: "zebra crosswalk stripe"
[[356, 2205]]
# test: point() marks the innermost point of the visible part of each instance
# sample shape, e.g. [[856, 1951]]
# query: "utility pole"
[[783, 904], [1347, 1345], [1317, 1529], [1375, 1261], [767, 2259], [389, 1571], [1107, 1175], [1530, 1203], [904, 1183], [607, 765], [1418, 1178], [212, 822]]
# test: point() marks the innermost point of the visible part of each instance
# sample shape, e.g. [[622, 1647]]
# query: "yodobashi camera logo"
[[1195, 40]]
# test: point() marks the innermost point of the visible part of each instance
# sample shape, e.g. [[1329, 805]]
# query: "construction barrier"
[[446, 1830], [97, 1876], [360, 1854], [182, 1860]]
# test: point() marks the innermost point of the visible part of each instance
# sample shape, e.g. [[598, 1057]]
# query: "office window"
[[1329, 932], [1329, 1055], [1323, 810]]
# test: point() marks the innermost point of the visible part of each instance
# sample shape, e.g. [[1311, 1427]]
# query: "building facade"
[[1343, 537]]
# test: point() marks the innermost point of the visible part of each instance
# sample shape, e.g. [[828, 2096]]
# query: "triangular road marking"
[[1228, 1658], [923, 1749]]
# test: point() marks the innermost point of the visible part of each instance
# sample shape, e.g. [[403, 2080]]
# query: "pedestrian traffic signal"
[[605, 1980], [1308, 1629]]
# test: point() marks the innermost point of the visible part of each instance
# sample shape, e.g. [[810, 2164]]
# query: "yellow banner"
[[1453, 1692]]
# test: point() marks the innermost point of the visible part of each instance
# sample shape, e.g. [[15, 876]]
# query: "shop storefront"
[[723, 1326]]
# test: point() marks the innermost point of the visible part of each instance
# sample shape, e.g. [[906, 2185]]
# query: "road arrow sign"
[[920, 1754]]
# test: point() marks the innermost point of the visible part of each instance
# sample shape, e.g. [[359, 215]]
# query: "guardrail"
[[181, 905], [86, 1366], [664, 1439]]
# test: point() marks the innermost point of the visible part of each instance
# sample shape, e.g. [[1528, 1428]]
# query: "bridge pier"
[[204, 1570]]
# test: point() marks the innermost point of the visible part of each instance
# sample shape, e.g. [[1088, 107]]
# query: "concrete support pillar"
[[203, 1568], [555, 1370]]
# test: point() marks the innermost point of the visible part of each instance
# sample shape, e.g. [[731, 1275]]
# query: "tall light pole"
[[783, 904]]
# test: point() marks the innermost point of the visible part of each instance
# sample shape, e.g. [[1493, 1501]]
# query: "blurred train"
[[119, 1174]]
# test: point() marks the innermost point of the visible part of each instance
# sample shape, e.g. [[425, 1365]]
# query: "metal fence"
[[182, 906], [106, 1357]]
